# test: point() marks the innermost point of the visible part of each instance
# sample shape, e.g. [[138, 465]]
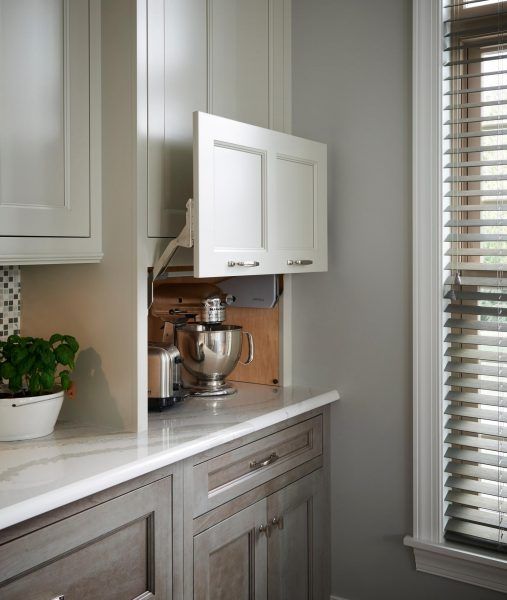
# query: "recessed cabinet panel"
[[296, 570], [260, 199], [294, 208], [44, 118], [230, 558], [239, 195], [239, 47], [116, 549], [177, 85]]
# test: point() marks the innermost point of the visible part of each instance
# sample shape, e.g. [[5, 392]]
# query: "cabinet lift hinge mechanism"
[[185, 239]]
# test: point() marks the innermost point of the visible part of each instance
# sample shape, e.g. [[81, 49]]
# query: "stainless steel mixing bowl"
[[209, 352]]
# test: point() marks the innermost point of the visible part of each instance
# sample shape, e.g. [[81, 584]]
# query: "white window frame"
[[432, 553]]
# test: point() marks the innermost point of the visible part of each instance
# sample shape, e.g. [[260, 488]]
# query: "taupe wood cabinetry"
[[230, 559], [118, 549], [250, 527], [269, 550], [260, 529]]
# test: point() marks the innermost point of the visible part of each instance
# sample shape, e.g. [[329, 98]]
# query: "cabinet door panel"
[[120, 549], [230, 558], [239, 47], [45, 118], [239, 185], [296, 543]]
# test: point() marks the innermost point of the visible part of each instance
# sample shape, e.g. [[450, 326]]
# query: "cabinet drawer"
[[233, 473], [119, 549]]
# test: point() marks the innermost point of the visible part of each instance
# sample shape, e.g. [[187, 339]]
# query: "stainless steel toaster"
[[164, 379]]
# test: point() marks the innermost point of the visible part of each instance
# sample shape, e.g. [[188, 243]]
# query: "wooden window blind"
[[475, 264]]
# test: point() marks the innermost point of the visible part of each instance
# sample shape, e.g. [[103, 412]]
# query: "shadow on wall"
[[91, 383]]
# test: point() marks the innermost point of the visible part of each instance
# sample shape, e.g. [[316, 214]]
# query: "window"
[[460, 290], [475, 287]]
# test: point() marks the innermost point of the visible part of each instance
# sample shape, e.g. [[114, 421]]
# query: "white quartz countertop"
[[76, 461]]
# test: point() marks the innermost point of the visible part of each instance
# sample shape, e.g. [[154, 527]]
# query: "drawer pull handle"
[[266, 529], [277, 522], [243, 263], [264, 462], [299, 262]]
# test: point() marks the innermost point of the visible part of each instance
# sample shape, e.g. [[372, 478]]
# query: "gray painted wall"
[[352, 90]]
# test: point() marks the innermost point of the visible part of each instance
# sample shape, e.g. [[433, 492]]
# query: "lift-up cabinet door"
[[261, 200]]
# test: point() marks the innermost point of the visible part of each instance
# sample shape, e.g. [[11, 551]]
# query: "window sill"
[[455, 562]]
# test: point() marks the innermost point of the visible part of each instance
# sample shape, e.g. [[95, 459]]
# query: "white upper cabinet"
[[49, 131], [225, 57], [260, 200]]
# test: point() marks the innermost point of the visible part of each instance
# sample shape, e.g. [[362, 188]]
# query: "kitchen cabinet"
[[245, 519], [230, 559], [119, 549], [259, 515], [269, 550], [260, 200], [226, 57], [50, 123]]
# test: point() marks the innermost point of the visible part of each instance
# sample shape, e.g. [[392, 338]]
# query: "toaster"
[[164, 379]]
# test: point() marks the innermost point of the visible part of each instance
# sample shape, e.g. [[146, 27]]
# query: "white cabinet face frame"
[[50, 146], [260, 200]]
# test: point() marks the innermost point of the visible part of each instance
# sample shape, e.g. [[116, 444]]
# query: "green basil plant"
[[30, 366]]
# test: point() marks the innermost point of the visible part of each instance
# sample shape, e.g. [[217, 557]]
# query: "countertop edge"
[[38, 505]]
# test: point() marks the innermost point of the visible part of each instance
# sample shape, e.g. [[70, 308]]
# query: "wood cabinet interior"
[[263, 323]]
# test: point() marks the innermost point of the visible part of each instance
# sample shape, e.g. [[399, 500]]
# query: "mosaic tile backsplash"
[[10, 301]]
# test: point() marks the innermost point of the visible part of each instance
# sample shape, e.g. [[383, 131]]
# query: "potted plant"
[[34, 375]]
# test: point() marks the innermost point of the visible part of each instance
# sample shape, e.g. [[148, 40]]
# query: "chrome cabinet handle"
[[277, 522], [266, 529], [243, 263], [264, 462], [299, 262]]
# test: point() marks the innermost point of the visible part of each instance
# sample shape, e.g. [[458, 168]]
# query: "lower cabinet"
[[269, 550], [119, 550], [242, 521]]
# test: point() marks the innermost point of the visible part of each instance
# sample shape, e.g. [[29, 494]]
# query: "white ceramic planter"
[[30, 417]]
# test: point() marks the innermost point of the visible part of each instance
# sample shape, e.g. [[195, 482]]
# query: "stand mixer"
[[209, 349]]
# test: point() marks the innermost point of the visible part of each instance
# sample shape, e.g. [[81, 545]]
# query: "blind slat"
[[497, 430], [480, 458], [481, 487], [477, 442], [491, 414], [471, 515], [474, 500], [495, 326], [476, 223], [493, 207], [477, 354], [477, 384], [479, 340]]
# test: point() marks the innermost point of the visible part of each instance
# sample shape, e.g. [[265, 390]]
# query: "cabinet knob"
[[266, 529], [243, 263], [277, 522], [299, 262]]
